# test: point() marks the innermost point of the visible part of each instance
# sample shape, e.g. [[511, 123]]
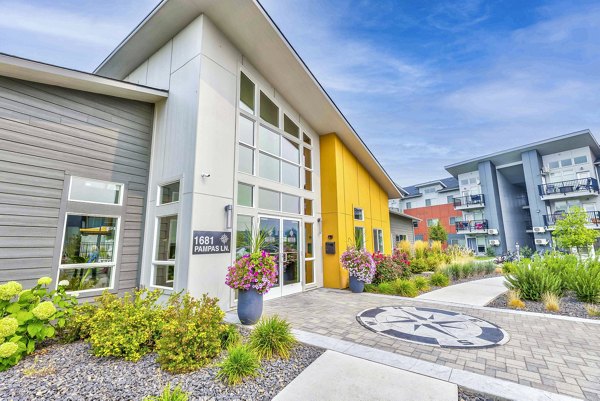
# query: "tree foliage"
[[570, 231], [438, 233]]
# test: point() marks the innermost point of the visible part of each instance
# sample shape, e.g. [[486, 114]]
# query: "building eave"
[[34, 71], [577, 139], [397, 213], [253, 32]]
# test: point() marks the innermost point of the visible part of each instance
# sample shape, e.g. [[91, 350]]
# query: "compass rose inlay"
[[436, 327]]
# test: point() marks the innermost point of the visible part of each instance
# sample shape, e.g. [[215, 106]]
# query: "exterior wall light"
[[229, 216]]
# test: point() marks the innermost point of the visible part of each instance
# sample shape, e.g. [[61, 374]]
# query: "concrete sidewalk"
[[336, 376], [474, 293]]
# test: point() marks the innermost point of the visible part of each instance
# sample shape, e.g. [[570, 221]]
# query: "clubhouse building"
[[202, 125]]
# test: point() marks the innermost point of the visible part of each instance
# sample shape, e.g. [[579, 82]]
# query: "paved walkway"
[[476, 292], [335, 376], [557, 355]]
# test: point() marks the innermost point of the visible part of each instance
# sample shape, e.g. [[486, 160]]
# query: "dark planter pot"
[[250, 306], [356, 285]]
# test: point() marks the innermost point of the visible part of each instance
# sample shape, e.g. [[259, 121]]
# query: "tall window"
[[89, 252], [267, 150], [378, 240], [165, 252], [450, 199], [432, 222], [89, 249], [408, 205], [358, 214], [427, 202], [359, 237], [169, 193]]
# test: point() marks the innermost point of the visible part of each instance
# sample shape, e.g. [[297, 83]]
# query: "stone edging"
[[498, 388]]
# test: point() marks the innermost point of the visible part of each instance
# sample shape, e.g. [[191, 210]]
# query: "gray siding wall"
[[532, 165], [48, 134], [493, 210], [401, 226]]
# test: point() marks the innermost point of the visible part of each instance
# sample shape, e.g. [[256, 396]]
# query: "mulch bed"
[[69, 372], [569, 306]]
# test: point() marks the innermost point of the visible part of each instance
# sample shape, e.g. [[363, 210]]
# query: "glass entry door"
[[283, 242]]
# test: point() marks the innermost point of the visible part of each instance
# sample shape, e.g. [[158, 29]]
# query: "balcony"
[[469, 202], [592, 221], [471, 227], [569, 189]]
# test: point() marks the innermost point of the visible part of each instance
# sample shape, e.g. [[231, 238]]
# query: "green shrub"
[[585, 281], [533, 280], [467, 270], [177, 394], [77, 326], [126, 327], [405, 288], [29, 317], [421, 283], [490, 252], [191, 333], [439, 279], [526, 252], [434, 261], [230, 335], [271, 337], [488, 267], [386, 288], [418, 265], [371, 288], [241, 361], [559, 264], [454, 271], [509, 267]]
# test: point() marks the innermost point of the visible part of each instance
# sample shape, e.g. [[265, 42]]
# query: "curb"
[[498, 388]]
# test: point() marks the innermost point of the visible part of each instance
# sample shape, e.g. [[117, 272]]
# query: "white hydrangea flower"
[[63, 283]]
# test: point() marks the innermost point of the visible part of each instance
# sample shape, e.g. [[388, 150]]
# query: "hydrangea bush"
[[359, 263], [30, 316], [257, 270]]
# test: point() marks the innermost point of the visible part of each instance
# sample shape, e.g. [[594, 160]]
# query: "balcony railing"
[[566, 187], [473, 225], [593, 218], [469, 200]]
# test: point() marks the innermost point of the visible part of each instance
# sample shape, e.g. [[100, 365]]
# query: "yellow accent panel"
[[346, 184]]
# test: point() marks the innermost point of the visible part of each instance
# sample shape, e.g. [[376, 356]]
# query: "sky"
[[424, 83]]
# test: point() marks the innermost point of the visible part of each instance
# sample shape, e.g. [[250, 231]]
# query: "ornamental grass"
[[272, 337]]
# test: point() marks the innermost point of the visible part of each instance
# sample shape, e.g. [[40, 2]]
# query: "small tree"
[[571, 232], [438, 233]]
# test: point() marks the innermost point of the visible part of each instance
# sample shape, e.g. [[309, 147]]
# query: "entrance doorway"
[[472, 244], [283, 242]]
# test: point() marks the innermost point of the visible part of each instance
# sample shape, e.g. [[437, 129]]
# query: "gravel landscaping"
[[69, 372], [569, 306], [468, 395]]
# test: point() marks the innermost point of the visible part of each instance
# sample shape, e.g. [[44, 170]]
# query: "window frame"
[[364, 239], [378, 241], [121, 191], [154, 262], [116, 248], [160, 188], [362, 213]]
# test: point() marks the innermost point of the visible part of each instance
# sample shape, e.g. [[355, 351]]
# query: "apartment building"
[[512, 197], [202, 124], [432, 202], [517, 195]]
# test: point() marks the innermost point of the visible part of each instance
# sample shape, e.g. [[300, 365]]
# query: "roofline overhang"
[[405, 215], [35, 71], [315, 106], [586, 136]]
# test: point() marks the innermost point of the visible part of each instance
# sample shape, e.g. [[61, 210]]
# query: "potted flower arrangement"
[[360, 266], [253, 274]]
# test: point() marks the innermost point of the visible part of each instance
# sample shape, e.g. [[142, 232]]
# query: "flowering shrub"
[[256, 270], [30, 316], [359, 263], [390, 268]]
